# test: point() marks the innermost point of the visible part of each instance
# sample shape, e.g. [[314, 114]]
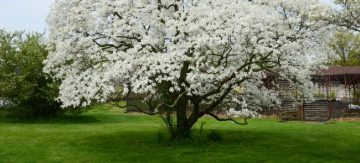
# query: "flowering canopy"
[[347, 14], [199, 51]]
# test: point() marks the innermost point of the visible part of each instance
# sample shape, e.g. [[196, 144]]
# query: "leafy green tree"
[[346, 46], [22, 81]]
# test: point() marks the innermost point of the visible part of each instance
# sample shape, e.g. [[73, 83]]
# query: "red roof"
[[340, 70]]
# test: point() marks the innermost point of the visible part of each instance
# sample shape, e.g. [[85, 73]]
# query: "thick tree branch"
[[155, 110], [228, 119]]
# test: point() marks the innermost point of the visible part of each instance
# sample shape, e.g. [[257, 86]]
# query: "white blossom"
[[219, 44]]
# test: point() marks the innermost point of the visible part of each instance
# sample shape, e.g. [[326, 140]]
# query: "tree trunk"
[[183, 129]]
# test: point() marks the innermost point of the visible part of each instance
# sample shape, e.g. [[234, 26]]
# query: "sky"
[[28, 15]]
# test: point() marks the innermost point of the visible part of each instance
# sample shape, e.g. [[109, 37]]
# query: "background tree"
[[186, 56], [345, 42], [22, 82], [346, 46], [345, 14]]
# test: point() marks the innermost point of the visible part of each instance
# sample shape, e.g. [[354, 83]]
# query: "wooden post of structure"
[[345, 82], [327, 88], [329, 98], [353, 97], [346, 97], [303, 111]]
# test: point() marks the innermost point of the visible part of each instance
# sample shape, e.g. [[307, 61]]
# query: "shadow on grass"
[[65, 119], [236, 145], [86, 118]]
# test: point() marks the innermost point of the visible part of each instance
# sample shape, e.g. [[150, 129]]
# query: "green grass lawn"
[[108, 135]]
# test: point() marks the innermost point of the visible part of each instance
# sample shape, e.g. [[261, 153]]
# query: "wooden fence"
[[320, 110]]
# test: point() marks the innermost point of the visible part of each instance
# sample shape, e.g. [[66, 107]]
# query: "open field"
[[108, 135]]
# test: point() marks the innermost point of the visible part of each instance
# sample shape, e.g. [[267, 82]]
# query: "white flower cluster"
[[4, 102], [202, 47], [241, 113]]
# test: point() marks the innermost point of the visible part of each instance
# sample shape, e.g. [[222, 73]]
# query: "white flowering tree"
[[345, 14], [189, 57]]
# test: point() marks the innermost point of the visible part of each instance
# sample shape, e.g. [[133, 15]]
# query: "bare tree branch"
[[228, 119]]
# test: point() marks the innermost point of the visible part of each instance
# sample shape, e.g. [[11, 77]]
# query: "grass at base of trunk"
[[106, 134]]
